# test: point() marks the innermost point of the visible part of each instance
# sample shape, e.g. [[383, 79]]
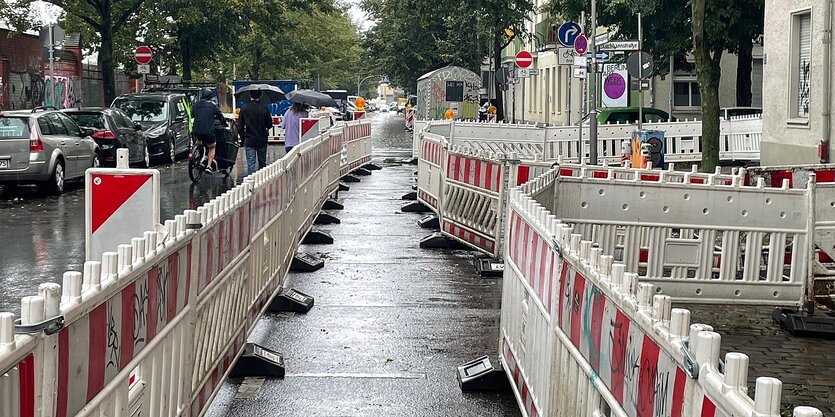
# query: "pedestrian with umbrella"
[[291, 122], [255, 122]]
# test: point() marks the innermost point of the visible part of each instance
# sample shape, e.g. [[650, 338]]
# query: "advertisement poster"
[[615, 86]]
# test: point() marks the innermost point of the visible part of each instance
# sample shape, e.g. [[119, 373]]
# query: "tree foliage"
[[413, 37]]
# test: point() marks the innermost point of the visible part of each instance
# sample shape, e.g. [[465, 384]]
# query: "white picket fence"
[[580, 336], [155, 327]]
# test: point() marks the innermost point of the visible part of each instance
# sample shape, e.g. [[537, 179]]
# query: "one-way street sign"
[[620, 46], [600, 56]]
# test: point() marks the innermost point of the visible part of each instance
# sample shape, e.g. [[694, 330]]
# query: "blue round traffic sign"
[[568, 32], [581, 44]]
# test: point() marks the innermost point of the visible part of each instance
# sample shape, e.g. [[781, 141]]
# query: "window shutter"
[[804, 65]]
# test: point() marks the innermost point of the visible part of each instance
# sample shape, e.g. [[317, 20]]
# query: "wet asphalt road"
[[391, 321], [43, 236]]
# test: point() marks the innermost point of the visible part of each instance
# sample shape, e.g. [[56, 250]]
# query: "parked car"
[[163, 119], [112, 130], [629, 115], [44, 147], [726, 113]]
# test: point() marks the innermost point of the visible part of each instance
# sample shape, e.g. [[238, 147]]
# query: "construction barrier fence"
[[580, 336], [154, 328]]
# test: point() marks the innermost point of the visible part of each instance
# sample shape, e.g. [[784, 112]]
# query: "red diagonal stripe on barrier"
[[522, 175], [543, 264], [598, 306], [173, 281], [477, 175], [63, 372], [151, 315], [530, 259], [620, 335], [108, 195], [551, 283], [488, 177], [26, 374], [96, 355], [708, 408], [647, 377], [576, 307], [307, 124], [678, 393], [128, 321]]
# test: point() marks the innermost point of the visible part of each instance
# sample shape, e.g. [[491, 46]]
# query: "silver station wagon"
[[44, 147]]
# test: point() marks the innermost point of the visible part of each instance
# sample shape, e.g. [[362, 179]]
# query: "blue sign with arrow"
[[568, 32], [600, 56]]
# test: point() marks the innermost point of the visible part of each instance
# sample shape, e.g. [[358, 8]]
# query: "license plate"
[[4, 163]]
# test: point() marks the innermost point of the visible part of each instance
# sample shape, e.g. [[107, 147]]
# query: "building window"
[[686, 94], [800, 85]]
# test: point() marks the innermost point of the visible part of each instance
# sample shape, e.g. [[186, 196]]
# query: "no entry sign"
[[524, 59], [143, 55]]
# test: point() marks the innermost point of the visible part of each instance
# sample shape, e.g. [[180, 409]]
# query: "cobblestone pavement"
[[805, 365]]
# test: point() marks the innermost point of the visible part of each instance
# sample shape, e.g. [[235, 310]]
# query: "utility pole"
[[52, 64], [593, 87], [641, 74]]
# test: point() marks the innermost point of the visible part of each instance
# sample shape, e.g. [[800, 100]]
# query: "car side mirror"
[[137, 126]]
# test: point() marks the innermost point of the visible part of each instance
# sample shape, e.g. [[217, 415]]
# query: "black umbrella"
[[311, 98], [269, 93]]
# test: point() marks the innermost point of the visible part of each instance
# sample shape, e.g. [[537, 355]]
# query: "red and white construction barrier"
[[119, 204], [356, 145], [580, 337], [155, 326], [309, 128]]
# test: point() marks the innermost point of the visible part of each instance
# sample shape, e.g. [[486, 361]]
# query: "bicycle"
[[226, 153]]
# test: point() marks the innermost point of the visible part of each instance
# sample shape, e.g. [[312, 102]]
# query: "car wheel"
[[55, 183], [172, 152], [96, 161]]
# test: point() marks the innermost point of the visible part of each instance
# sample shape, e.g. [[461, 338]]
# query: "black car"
[[112, 129], [163, 118]]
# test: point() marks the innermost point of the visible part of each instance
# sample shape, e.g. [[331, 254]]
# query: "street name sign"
[[621, 46]]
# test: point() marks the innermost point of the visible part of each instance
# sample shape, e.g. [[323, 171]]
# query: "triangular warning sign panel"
[[110, 191], [307, 124]]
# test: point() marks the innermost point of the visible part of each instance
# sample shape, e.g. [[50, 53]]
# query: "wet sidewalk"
[[390, 325]]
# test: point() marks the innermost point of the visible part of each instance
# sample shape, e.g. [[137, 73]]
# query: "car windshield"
[[88, 120], [14, 127], [143, 110]]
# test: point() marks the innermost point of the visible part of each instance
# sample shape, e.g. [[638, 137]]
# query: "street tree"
[[106, 18]]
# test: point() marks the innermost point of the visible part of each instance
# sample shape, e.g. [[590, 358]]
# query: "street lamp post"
[[359, 82]]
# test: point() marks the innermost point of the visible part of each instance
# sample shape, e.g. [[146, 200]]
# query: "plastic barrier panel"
[[581, 337], [430, 170], [708, 243], [187, 294], [473, 198], [356, 145]]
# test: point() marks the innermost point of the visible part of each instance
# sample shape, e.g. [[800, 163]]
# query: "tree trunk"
[[497, 65], [185, 52], [106, 58], [708, 74], [255, 67], [743, 73]]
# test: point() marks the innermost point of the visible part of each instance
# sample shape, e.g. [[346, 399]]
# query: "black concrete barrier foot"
[[414, 207], [409, 161], [350, 178], [488, 267], [305, 262], [414, 187], [326, 218], [314, 237], [289, 300], [372, 167], [437, 240], [819, 325], [331, 204], [362, 172], [430, 222], [480, 375], [411, 195], [343, 187], [258, 361]]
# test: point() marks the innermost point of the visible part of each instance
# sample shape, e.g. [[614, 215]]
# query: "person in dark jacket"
[[207, 117], [254, 123]]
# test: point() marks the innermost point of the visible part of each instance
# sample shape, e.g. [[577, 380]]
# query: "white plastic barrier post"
[[581, 337]]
